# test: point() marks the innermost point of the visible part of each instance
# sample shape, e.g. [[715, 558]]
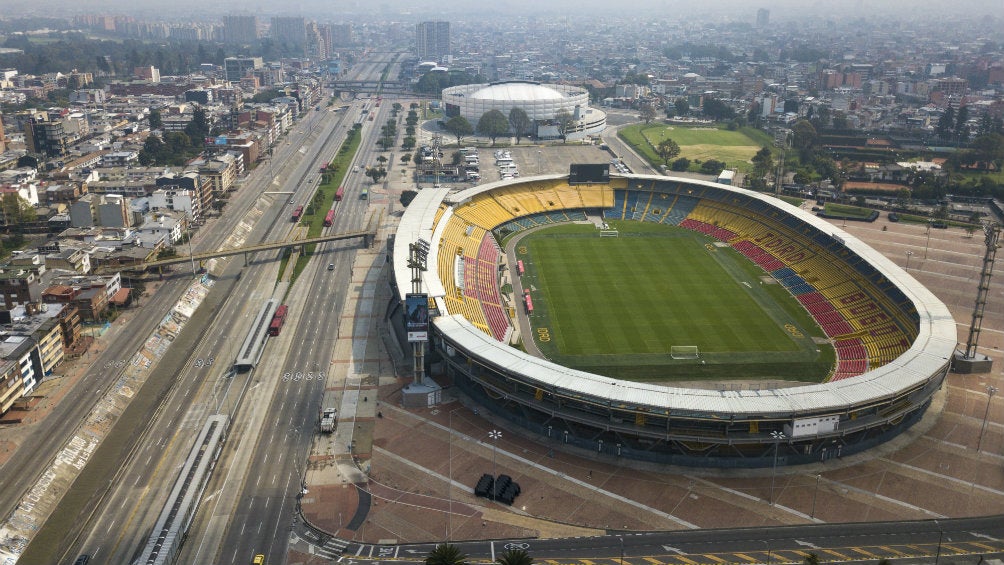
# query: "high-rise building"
[[762, 17], [45, 137], [240, 29], [432, 41], [3, 139], [237, 68], [291, 30], [341, 35]]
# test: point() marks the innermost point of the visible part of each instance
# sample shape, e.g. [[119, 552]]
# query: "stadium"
[[541, 102], [889, 338]]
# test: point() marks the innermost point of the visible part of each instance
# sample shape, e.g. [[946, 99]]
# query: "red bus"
[[339, 194], [297, 213], [329, 219], [519, 267], [529, 302], [277, 320]]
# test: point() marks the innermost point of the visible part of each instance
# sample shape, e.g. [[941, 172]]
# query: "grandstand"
[[892, 338]]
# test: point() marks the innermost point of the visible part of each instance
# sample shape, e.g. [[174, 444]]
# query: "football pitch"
[[616, 305]]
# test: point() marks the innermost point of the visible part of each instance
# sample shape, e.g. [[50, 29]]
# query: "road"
[[261, 521], [119, 529], [925, 541]]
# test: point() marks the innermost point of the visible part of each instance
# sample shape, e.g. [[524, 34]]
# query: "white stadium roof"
[[935, 343], [516, 91]]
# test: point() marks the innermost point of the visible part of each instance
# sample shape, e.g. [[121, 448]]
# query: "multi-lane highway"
[[230, 523]]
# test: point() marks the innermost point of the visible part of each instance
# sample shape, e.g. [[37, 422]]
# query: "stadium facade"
[[541, 102], [893, 338]]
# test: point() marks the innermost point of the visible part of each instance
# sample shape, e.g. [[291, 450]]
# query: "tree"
[[667, 150], [514, 557], [376, 173], [946, 124], [459, 127], [446, 554], [493, 124], [718, 110], [519, 123], [763, 164], [646, 111], [811, 559], [382, 160], [961, 127], [407, 196], [17, 210], [155, 120], [406, 158], [682, 106], [565, 122], [681, 164], [805, 135], [198, 128], [712, 167]]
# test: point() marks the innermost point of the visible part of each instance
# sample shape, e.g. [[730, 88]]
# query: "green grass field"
[[735, 148], [615, 306]]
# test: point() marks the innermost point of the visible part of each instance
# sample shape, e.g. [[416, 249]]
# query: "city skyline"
[[781, 10]]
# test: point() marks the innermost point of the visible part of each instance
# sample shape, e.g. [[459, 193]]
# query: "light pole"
[[778, 436], [621, 539], [991, 391], [814, 494], [495, 435], [539, 156], [767, 545], [941, 537], [908, 255]]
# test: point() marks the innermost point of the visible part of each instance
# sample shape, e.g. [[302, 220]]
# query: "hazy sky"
[[443, 9]]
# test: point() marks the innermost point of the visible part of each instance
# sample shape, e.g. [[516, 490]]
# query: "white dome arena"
[[541, 102]]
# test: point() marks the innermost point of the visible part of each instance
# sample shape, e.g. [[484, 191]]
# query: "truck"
[[328, 420]]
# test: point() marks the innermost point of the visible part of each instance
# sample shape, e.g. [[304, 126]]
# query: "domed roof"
[[516, 91]]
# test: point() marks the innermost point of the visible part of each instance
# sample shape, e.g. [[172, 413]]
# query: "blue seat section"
[[617, 211], [632, 203], [783, 273], [683, 207]]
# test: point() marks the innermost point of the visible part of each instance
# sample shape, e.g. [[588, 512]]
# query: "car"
[[893, 217], [82, 559], [290, 200], [940, 224], [331, 266], [355, 169]]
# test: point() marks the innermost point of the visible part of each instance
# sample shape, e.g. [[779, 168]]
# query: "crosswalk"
[[333, 548]]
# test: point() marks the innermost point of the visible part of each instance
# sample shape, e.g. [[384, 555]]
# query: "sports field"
[[735, 148], [615, 306]]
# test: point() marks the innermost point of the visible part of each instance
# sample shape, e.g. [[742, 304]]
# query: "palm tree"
[[446, 554], [514, 557]]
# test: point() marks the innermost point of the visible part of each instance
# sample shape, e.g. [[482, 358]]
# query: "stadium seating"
[[869, 319]]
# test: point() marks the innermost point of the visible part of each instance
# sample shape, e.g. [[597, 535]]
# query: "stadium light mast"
[[968, 361], [418, 254], [778, 436]]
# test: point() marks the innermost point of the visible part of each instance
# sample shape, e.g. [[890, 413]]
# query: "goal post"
[[684, 352]]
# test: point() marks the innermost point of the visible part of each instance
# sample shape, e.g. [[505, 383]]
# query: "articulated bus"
[[277, 320], [339, 194], [329, 219]]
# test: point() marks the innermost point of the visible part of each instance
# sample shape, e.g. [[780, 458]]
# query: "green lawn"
[[735, 148], [615, 306]]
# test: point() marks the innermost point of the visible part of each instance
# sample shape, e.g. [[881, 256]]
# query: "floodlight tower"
[[969, 361], [418, 254]]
